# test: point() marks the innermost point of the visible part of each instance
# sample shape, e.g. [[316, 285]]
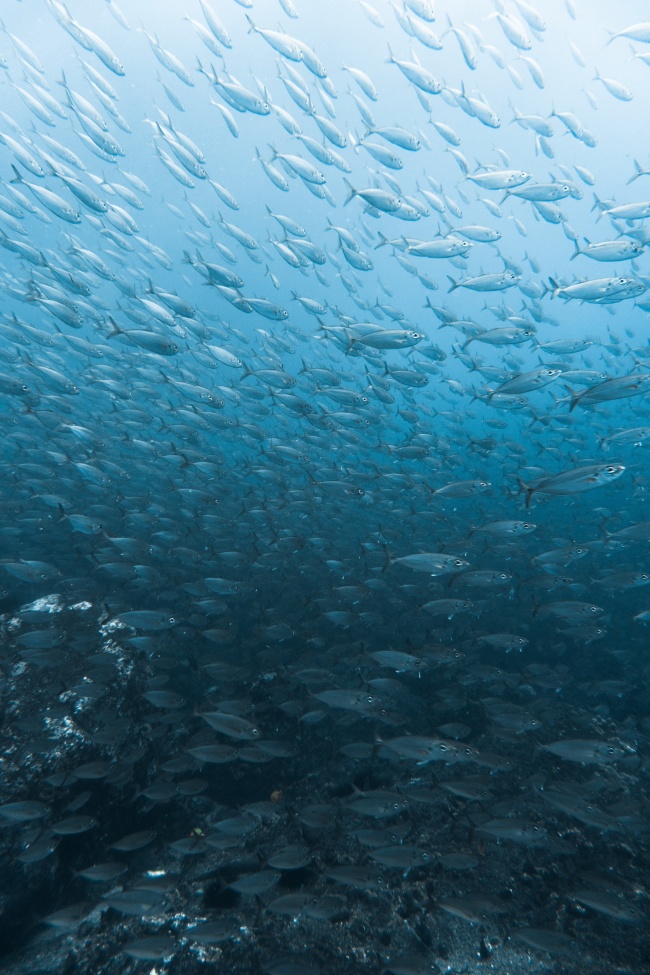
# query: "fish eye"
[[171, 620], [360, 492], [611, 470], [443, 748], [370, 699]]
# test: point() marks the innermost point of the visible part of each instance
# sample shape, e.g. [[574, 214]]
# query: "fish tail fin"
[[554, 289], [116, 329], [382, 240], [351, 192], [603, 530], [637, 172], [575, 398], [389, 558], [322, 327], [252, 25], [576, 252], [525, 487], [17, 177], [390, 59], [454, 284], [600, 206]]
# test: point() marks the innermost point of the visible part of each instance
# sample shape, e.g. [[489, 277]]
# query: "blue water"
[[252, 481]]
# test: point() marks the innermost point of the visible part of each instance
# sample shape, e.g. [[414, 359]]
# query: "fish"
[[587, 751], [425, 750], [433, 563], [573, 481], [486, 282], [300, 318], [518, 830], [612, 388], [609, 250], [547, 940]]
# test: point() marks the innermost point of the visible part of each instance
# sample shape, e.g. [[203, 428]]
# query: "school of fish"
[[323, 368]]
